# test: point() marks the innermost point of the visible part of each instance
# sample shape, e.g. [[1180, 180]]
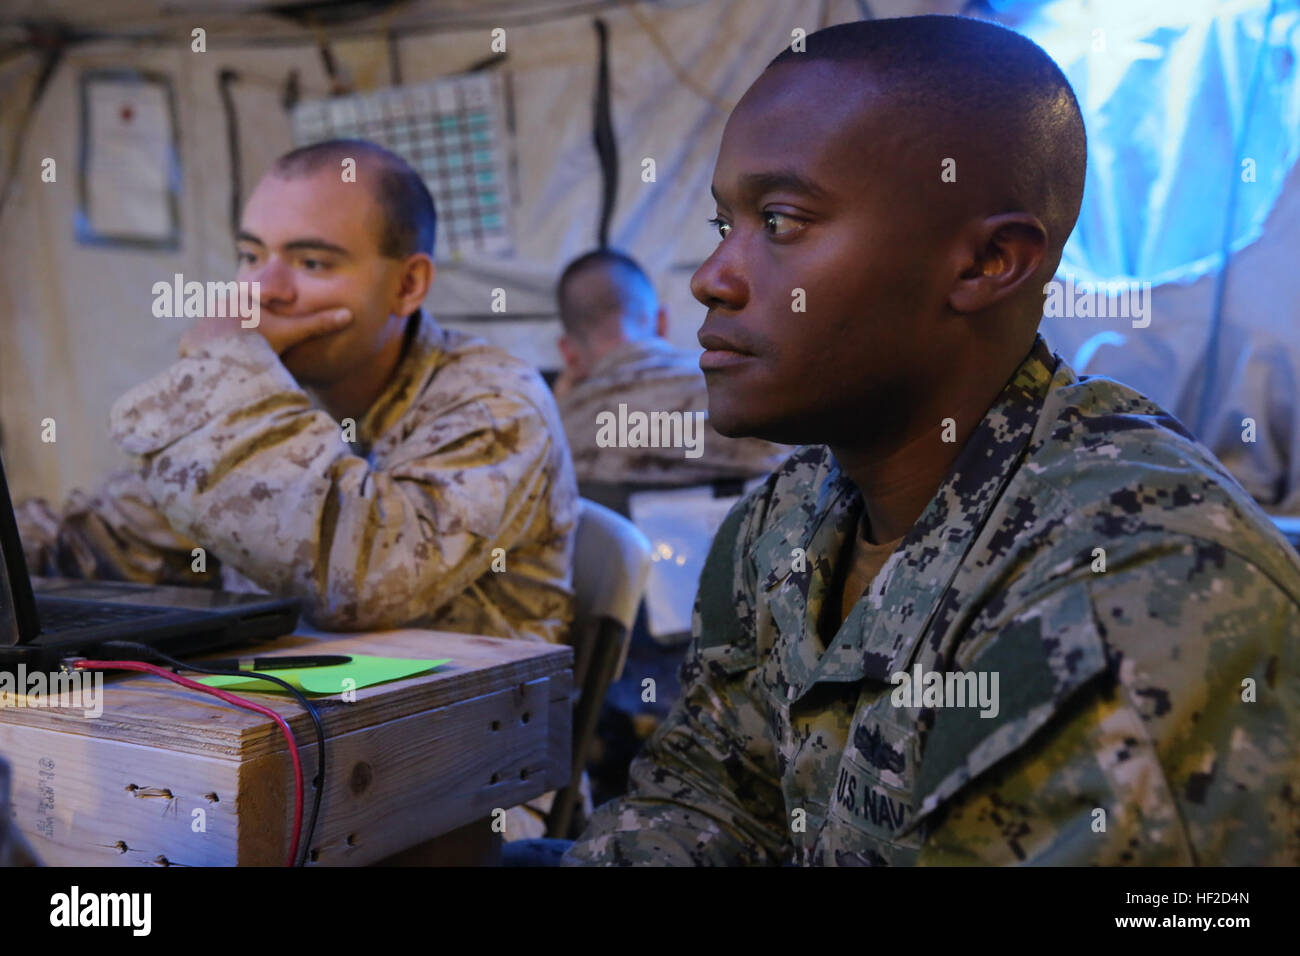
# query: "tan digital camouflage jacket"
[[1148, 713], [454, 508], [651, 375]]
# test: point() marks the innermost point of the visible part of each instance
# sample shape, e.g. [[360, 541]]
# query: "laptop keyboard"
[[58, 616]]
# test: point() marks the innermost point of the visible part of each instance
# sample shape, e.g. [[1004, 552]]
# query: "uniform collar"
[[423, 343], [910, 594], [629, 353]]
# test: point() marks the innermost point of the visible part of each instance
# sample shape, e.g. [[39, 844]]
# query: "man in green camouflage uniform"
[[1074, 551]]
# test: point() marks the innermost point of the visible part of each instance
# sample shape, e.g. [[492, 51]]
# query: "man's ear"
[[661, 323], [1000, 255], [570, 352], [417, 275]]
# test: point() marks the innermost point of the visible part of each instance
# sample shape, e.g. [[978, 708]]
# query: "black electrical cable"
[[225, 80], [603, 135], [318, 783], [49, 63]]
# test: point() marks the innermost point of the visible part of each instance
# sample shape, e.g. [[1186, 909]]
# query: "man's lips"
[[720, 352], [721, 358]]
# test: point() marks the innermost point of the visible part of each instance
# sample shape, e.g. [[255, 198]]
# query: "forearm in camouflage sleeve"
[[38, 529], [115, 534], [1185, 769], [236, 456]]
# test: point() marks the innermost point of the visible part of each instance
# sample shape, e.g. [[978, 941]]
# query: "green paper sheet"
[[364, 669]]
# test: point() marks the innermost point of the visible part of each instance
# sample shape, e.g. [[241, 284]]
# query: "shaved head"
[[976, 93], [890, 205], [605, 292]]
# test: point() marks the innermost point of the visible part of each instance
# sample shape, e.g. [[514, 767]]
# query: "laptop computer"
[[60, 618]]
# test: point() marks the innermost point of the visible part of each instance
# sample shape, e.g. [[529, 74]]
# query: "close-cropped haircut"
[[628, 291], [410, 220], [974, 89]]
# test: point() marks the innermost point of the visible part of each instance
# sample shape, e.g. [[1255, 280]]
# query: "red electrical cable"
[[230, 699]]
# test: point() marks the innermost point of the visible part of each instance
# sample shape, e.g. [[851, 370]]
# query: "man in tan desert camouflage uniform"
[[426, 458], [615, 353]]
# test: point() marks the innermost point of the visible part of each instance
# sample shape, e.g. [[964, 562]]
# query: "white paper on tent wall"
[[128, 160]]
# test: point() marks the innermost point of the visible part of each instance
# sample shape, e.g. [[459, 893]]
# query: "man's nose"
[[719, 283], [275, 280]]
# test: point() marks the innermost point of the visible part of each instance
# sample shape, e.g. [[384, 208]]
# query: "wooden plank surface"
[[409, 760], [148, 710], [81, 801], [404, 782]]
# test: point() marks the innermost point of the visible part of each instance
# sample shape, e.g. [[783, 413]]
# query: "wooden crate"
[[171, 776]]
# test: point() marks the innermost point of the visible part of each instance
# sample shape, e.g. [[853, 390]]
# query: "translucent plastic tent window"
[[1163, 87]]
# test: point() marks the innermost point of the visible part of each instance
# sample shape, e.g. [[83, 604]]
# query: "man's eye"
[[722, 227], [315, 265], [245, 258], [773, 221]]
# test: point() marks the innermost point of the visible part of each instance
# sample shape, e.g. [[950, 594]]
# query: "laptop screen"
[[18, 624]]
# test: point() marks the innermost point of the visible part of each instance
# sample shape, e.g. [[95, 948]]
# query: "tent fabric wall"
[[1259, 363], [1165, 99], [1166, 103]]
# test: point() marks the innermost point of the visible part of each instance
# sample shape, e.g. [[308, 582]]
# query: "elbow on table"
[[352, 617], [369, 610]]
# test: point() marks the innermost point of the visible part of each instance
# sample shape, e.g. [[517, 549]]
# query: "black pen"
[[274, 663]]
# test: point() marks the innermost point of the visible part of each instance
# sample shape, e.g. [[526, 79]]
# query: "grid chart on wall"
[[452, 131]]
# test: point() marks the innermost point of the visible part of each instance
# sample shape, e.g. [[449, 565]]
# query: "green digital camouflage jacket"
[[454, 507], [1140, 612]]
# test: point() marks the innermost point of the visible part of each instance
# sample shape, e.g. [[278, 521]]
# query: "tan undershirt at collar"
[[864, 564]]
